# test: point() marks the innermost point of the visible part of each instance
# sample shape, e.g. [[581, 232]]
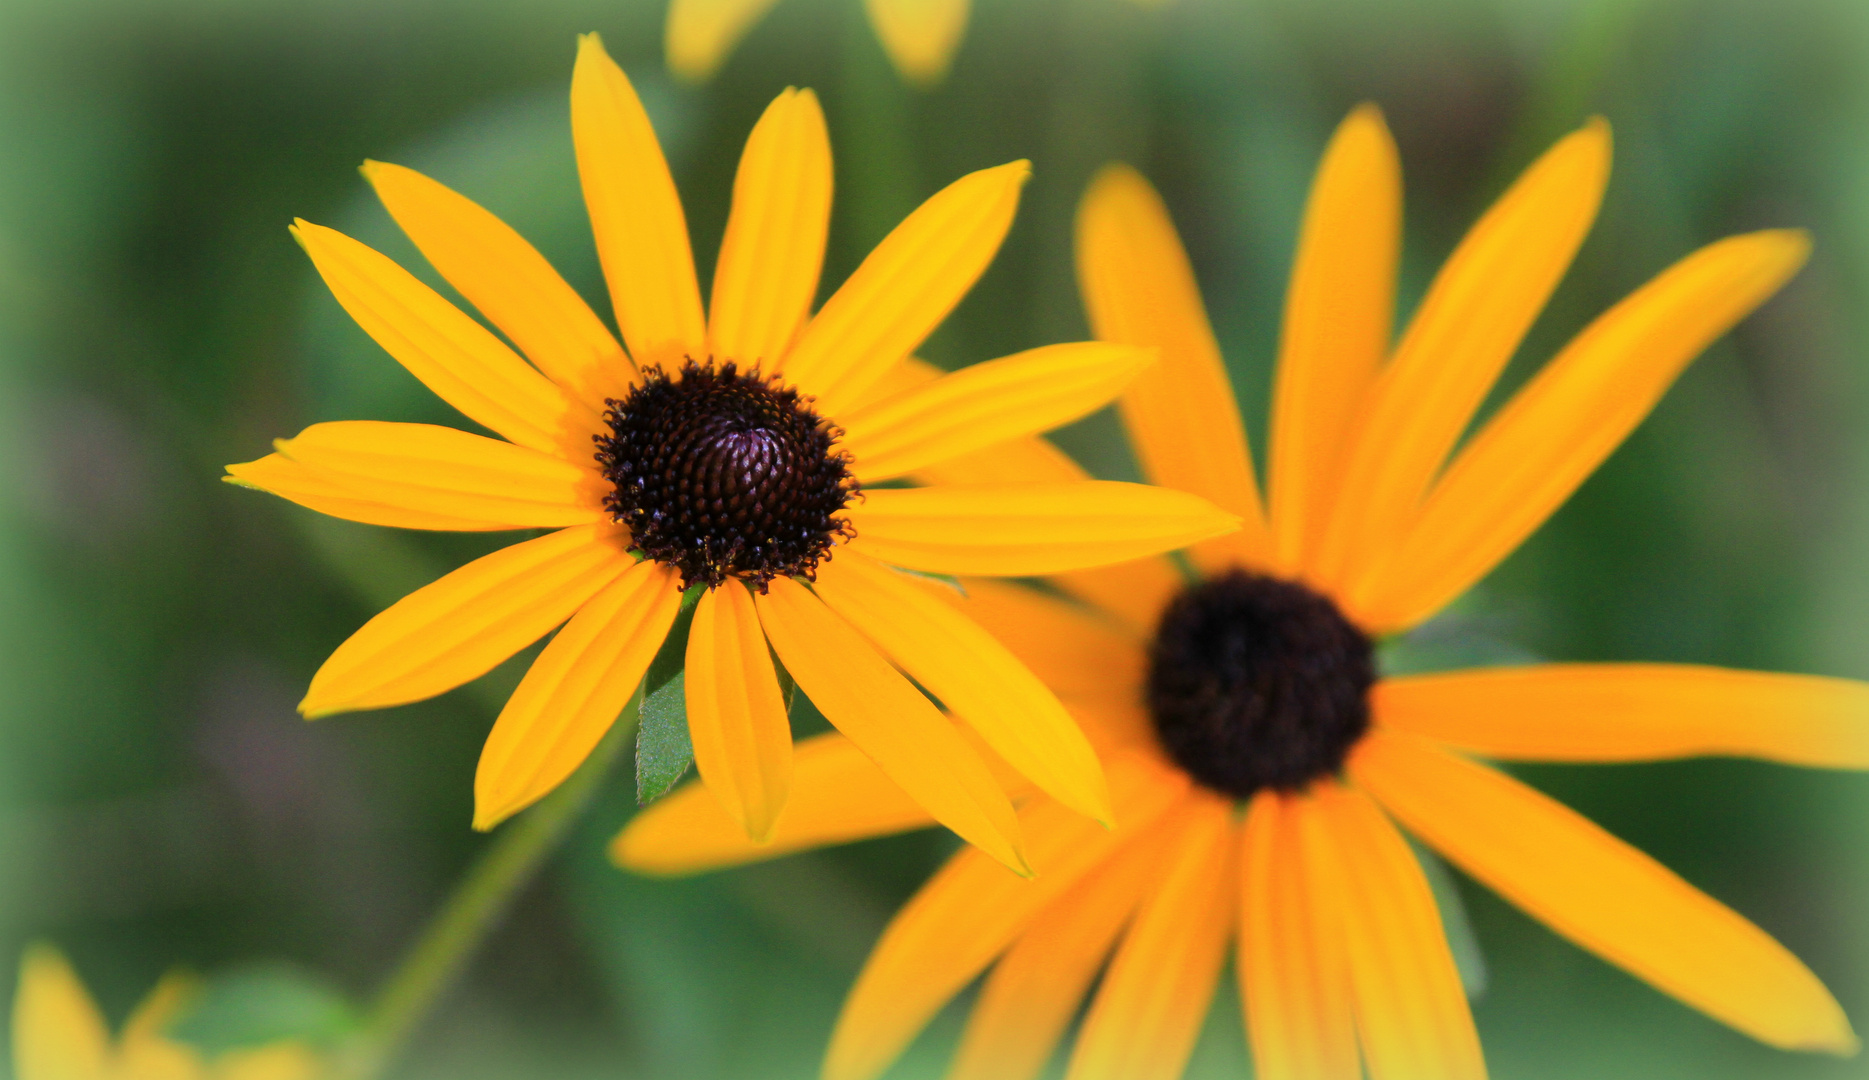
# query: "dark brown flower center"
[[1257, 682], [722, 473]]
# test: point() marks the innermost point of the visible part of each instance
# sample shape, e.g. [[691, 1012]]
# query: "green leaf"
[[256, 1005], [663, 749]]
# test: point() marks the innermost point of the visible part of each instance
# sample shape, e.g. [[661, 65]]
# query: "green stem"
[[511, 861]]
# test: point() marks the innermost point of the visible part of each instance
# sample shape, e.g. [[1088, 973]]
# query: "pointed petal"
[[920, 36], [574, 691], [975, 676], [857, 690], [767, 275], [1183, 420], [986, 404], [838, 795], [1154, 999], [508, 281], [144, 1050], [1016, 530], [1083, 659], [446, 473], [1294, 975], [456, 357], [1411, 1011], [1554, 433], [58, 1034], [1468, 326], [971, 910], [642, 234], [315, 490], [701, 33], [1339, 313], [1034, 990], [1602, 894], [460, 626], [1634, 712], [736, 714], [905, 287]]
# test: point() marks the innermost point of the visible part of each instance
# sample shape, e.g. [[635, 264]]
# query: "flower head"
[[1258, 764], [58, 1034], [735, 452]]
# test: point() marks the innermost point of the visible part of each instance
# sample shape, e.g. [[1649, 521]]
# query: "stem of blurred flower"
[[506, 866]]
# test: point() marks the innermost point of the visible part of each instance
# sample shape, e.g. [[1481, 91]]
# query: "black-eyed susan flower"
[[58, 1034], [734, 456], [1258, 764]]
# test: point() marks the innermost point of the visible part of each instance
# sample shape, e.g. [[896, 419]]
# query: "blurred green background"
[[161, 803]]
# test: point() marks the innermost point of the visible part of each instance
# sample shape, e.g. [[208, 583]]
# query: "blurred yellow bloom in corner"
[[1258, 762], [920, 36], [58, 1034]]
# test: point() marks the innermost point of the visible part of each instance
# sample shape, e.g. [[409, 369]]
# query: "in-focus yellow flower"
[[728, 457], [1257, 764], [58, 1034], [920, 36]]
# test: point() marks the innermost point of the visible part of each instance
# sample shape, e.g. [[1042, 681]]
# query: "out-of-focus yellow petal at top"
[[58, 1033], [920, 36], [700, 33]]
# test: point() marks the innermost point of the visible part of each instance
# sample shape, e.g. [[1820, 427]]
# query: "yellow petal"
[[905, 287], [456, 357], [1182, 418], [1154, 998], [1080, 656], [1634, 712], [1468, 326], [975, 676], [1016, 530], [574, 691], [318, 491], [701, 33], [1134, 592], [1411, 1011], [1554, 433], [857, 690], [1294, 975], [636, 215], [767, 275], [1027, 460], [144, 1051], [1339, 312], [838, 795], [508, 281], [158, 1009], [459, 627], [1033, 991], [920, 36], [1603, 894], [971, 910], [986, 404], [447, 473], [736, 714], [58, 1033], [275, 1061]]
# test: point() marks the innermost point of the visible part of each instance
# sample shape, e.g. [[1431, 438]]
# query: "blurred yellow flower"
[[1255, 688], [58, 1034], [728, 458], [920, 36]]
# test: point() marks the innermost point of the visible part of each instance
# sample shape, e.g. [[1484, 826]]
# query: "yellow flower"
[[1254, 687], [58, 1034], [729, 456]]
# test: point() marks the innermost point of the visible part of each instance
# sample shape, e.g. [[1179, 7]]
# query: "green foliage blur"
[[162, 804]]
